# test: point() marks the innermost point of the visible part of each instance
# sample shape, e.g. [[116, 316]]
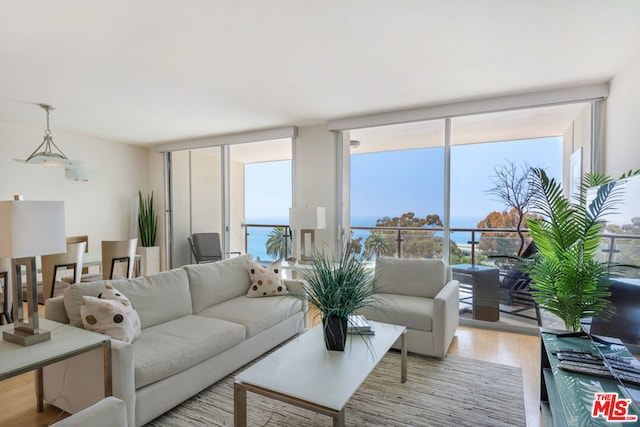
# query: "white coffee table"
[[305, 374]]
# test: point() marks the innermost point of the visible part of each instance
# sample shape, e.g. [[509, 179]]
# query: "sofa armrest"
[[54, 310], [77, 383], [108, 412], [296, 288], [446, 316]]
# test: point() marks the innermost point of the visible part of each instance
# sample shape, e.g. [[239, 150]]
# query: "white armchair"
[[418, 294]]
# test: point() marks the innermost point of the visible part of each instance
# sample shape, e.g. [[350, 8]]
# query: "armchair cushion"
[[412, 312], [413, 277]]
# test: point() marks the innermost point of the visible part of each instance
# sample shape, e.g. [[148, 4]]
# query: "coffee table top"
[[306, 370]]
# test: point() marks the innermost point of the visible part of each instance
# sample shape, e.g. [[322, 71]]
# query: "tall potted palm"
[[147, 231], [568, 280], [338, 286]]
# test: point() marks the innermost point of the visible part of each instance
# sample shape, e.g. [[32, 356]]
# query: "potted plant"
[[147, 230], [338, 286], [568, 280]]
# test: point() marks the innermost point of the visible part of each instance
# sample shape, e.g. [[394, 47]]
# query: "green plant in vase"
[[567, 279], [338, 286], [147, 221]]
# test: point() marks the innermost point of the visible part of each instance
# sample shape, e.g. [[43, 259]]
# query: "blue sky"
[[391, 183]]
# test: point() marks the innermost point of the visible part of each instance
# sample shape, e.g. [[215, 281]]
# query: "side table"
[[66, 342], [486, 289]]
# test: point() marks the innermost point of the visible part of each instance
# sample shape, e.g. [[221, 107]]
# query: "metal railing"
[[612, 243]]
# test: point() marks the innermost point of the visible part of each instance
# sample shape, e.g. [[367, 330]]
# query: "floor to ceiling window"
[[397, 190], [266, 197], [490, 158], [221, 189]]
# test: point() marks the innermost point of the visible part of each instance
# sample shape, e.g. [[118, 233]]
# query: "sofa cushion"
[[406, 276], [171, 347], [256, 314], [217, 282], [265, 281], [157, 298], [412, 312]]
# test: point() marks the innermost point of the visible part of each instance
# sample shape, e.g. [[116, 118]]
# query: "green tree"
[[278, 243], [378, 244], [502, 243], [355, 245], [415, 243]]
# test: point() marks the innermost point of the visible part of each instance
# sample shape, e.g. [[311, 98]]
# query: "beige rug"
[[450, 392]]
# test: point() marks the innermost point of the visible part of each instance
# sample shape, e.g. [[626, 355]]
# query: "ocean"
[[258, 235]]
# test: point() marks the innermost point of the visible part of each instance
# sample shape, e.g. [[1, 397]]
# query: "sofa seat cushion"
[[171, 347], [412, 312], [256, 314]]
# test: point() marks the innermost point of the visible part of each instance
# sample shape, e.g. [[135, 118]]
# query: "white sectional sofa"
[[198, 326]]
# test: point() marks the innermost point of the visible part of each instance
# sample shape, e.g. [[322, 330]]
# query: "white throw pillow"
[[266, 281], [110, 313]]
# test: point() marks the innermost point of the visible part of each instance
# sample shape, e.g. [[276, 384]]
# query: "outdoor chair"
[[515, 290], [205, 247]]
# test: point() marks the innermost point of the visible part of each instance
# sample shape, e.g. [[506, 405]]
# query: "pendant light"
[[48, 153]]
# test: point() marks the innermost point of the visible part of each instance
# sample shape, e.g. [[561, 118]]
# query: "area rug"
[[450, 392]]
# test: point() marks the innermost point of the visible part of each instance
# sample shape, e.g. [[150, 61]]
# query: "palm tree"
[[377, 244], [278, 244]]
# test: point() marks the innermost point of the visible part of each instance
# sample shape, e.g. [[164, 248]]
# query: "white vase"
[[150, 259]]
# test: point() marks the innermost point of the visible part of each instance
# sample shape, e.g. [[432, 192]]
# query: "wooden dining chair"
[[60, 270], [5, 310], [80, 239], [118, 253]]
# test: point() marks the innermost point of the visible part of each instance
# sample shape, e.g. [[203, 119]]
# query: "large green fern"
[[568, 281]]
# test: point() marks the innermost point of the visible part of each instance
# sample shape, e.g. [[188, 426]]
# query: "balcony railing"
[[478, 242]]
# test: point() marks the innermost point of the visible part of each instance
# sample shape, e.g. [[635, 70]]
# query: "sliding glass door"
[[215, 190]]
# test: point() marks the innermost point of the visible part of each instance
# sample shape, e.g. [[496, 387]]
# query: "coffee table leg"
[[403, 357], [240, 406], [338, 419]]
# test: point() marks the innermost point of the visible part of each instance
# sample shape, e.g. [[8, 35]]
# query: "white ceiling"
[[149, 71]]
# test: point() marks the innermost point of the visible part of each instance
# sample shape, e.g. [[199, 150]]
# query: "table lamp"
[[29, 229], [306, 221]]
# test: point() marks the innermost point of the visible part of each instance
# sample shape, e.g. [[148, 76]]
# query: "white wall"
[[314, 177], [577, 136], [100, 208], [622, 150]]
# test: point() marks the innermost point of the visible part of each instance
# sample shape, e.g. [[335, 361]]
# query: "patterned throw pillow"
[[265, 281], [111, 313]]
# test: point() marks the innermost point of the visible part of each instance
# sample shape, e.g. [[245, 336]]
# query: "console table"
[[566, 398], [66, 342], [485, 282]]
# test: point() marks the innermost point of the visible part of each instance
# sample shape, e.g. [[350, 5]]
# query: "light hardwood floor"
[[18, 405]]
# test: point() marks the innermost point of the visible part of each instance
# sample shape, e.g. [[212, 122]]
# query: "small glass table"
[[303, 373], [66, 342]]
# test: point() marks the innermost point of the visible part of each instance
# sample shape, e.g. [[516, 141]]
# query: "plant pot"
[[335, 332], [150, 259]]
